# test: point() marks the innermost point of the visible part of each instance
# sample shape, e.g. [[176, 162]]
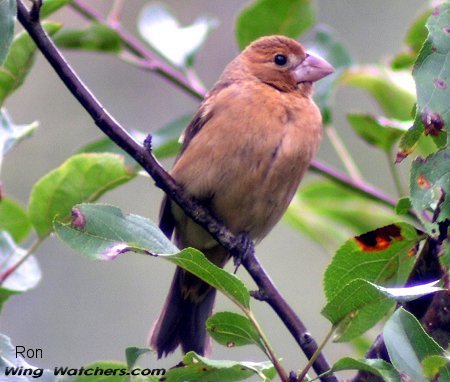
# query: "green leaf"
[[11, 134], [102, 232], [14, 219], [329, 213], [444, 259], [431, 74], [8, 11], [414, 40], [165, 141], [24, 278], [408, 345], [436, 365], [403, 206], [383, 256], [378, 131], [359, 305], [112, 372], [231, 329], [325, 44], [106, 145], [179, 45], [197, 368], [19, 61], [267, 17], [96, 37], [376, 367], [133, 354], [51, 6], [81, 178], [356, 308], [395, 101], [8, 358], [430, 189], [196, 263]]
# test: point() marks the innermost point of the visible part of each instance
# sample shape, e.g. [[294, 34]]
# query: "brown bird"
[[243, 155]]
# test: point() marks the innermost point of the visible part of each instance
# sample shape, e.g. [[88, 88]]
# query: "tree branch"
[[240, 246]]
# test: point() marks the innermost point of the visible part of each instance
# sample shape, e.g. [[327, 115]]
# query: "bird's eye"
[[280, 59]]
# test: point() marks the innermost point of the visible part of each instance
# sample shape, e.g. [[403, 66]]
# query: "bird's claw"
[[243, 247], [259, 295]]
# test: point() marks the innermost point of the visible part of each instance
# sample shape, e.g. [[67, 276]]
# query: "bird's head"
[[283, 63]]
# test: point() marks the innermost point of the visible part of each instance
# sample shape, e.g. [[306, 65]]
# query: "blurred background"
[[84, 311]]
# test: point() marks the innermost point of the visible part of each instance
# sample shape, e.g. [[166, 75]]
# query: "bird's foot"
[[242, 248], [259, 295]]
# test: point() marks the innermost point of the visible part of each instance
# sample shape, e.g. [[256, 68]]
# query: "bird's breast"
[[250, 157]]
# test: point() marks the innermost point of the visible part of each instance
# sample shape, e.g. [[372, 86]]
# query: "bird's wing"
[[166, 218]]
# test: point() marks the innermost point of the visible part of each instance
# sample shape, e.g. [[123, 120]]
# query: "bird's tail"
[[183, 317]]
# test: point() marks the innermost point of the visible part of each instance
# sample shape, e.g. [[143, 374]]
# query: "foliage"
[[377, 249]]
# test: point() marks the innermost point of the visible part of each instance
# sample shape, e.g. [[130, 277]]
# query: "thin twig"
[[308, 366], [343, 154], [236, 245], [395, 175], [4, 275], [268, 348]]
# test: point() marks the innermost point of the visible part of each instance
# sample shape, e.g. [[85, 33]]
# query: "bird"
[[242, 156]]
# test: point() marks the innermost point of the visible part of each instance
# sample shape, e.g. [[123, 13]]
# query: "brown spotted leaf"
[[432, 76], [384, 256], [430, 189]]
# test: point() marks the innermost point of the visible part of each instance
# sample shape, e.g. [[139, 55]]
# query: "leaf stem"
[[343, 153], [115, 12], [4, 275], [311, 361], [395, 175], [269, 350]]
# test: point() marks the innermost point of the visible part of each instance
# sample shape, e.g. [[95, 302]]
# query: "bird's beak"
[[312, 68]]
